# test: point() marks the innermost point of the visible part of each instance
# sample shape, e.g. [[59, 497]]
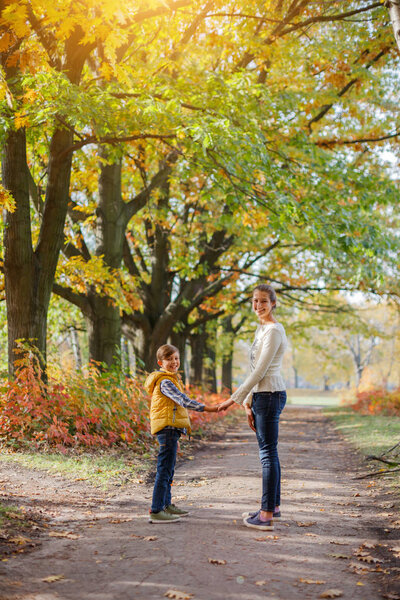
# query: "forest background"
[[161, 158]]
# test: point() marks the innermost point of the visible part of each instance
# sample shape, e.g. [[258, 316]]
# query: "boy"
[[169, 419]]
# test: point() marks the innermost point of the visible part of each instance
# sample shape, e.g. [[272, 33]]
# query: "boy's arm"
[[170, 390]]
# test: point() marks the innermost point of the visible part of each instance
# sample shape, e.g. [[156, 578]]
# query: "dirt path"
[[113, 553]]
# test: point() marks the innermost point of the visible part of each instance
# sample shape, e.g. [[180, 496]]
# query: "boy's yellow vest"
[[164, 411]]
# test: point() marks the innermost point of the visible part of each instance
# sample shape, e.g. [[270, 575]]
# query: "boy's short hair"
[[166, 351]]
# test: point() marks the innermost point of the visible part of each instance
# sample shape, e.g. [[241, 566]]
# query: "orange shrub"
[[377, 401], [91, 409]]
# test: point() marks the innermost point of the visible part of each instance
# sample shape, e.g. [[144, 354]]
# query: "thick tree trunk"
[[197, 344], [227, 355], [104, 329], [227, 364], [104, 321], [20, 268], [178, 339], [210, 363]]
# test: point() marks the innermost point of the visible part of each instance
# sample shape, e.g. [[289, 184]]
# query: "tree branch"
[[344, 90]]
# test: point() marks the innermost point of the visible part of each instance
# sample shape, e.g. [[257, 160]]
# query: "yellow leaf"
[[7, 202], [64, 534], [316, 581], [177, 595], [217, 561], [53, 578], [21, 540], [331, 594]]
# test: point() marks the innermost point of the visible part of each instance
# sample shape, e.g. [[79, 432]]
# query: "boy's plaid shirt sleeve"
[[168, 388]]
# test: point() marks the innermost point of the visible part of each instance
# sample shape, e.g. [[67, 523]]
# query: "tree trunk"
[[296, 377], [227, 355], [76, 349], [125, 357], [227, 364], [104, 330], [178, 339], [104, 320], [20, 267], [197, 343], [394, 13], [210, 363]]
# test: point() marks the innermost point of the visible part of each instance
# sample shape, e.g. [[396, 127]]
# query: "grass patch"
[[304, 397], [101, 468], [371, 434], [9, 514]]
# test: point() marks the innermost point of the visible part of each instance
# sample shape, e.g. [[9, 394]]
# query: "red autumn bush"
[[377, 401], [91, 409]]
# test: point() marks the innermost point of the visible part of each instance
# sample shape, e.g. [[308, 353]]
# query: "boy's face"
[[171, 363]]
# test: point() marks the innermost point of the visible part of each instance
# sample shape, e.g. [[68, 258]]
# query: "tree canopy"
[[159, 156]]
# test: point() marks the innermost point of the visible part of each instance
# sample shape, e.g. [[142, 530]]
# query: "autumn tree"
[[292, 147]]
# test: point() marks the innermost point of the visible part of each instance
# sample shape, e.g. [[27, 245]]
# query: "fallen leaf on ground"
[[339, 555], [307, 524], [64, 534], [302, 580], [266, 537], [53, 578], [331, 594], [369, 559], [216, 561], [120, 520], [260, 582], [150, 538], [338, 542], [368, 545], [177, 595], [20, 539]]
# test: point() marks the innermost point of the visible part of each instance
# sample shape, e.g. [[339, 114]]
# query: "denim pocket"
[[269, 403]]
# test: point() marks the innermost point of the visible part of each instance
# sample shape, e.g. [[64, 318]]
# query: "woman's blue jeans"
[[168, 440], [267, 408]]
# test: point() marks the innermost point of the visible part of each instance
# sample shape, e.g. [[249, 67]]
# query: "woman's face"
[[262, 305]]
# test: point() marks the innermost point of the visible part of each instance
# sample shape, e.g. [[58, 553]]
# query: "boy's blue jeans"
[[168, 440], [267, 408]]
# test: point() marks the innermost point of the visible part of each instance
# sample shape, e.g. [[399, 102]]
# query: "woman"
[[263, 396]]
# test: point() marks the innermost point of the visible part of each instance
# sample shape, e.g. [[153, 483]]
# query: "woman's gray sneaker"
[[277, 515], [256, 523], [163, 517]]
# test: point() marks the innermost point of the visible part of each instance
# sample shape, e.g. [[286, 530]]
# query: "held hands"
[[225, 405], [210, 408]]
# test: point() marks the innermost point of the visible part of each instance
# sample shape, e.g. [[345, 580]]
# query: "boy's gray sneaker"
[[174, 510], [163, 517]]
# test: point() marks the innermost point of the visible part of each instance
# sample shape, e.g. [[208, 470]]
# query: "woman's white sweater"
[[266, 356]]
